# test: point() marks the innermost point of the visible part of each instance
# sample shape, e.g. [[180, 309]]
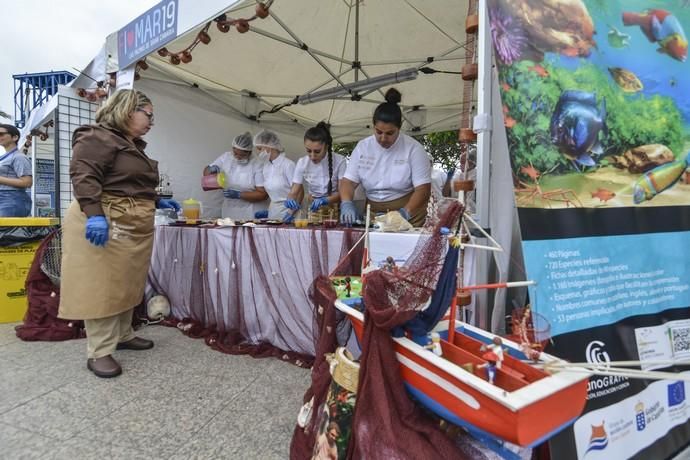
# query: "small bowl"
[[301, 223]]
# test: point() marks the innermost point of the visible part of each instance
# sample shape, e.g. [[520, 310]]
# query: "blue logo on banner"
[[676, 393], [147, 33], [640, 421]]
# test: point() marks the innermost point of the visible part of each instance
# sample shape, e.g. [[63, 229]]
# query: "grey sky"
[[45, 35]]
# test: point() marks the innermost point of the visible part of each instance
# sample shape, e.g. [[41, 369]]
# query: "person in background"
[[244, 193], [393, 169], [15, 176], [107, 234], [438, 182], [277, 171], [321, 170]]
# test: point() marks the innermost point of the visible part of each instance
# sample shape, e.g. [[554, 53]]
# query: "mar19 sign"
[[148, 32]]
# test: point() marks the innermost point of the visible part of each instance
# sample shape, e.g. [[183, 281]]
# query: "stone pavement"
[[180, 400]]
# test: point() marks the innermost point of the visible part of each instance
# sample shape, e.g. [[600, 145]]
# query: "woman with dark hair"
[[107, 234], [393, 169], [15, 176], [321, 177]]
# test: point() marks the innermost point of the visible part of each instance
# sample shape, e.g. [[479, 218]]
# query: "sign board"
[[148, 32]]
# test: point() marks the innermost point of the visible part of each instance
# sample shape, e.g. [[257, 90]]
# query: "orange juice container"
[[191, 209]]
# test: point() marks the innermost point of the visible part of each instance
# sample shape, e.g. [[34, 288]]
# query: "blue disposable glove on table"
[[168, 203], [213, 169], [288, 218], [292, 204], [97, 230], [230, 193], [318, 202], [348, 213], [403, 212], [261, 214]]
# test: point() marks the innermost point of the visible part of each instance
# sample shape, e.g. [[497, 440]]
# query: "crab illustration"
[[529, 193]]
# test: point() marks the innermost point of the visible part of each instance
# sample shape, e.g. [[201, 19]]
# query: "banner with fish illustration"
[[596, 107]]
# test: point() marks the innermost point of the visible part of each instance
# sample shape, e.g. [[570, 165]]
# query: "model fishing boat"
[[469, 377], [525, 405]]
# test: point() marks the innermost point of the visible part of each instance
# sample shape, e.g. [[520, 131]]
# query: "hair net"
[[268, 139], [243, 142]]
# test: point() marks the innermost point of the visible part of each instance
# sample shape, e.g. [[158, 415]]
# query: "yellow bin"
[[15, 262]]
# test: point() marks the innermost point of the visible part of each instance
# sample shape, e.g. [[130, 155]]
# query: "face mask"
[[243, 161]]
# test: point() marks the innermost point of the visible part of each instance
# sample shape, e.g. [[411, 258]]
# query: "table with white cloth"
[[252, 279], [256, 280]]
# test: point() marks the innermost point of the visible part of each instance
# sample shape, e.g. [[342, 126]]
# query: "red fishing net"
[[386, 423], [41, 321]]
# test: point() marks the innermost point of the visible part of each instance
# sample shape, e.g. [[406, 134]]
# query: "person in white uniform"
[[321, 171], [438, 182], [278, 171], [393, 169], [244, 189]]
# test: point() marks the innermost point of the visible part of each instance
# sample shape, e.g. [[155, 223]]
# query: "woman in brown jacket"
[[108, 229]]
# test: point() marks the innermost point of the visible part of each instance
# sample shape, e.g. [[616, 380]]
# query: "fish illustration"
[[603, 194], [575, 126], [627, 80], [663, 28], [656, 180], [618, 39]]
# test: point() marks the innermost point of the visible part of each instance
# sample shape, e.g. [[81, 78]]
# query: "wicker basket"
[[346, 370]]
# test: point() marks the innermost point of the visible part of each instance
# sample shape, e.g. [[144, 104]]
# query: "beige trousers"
[[103, 334]]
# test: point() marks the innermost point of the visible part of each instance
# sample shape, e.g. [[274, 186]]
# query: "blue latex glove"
[[450, 175], [403, 212], [213, 169], [292, 204], [348, 213], [230, 193], [168, 203], [318, 202], [97, 230], [288, 218], [261, 214], [444, 231]]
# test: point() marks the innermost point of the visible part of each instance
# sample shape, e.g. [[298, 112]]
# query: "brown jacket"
[[105, 161]]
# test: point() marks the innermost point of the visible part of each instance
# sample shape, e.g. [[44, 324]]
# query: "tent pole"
[[357, 64]]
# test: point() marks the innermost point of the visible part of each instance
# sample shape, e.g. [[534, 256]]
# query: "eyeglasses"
[[148, 114]]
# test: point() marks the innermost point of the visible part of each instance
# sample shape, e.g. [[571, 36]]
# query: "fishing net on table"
[[386, 423]]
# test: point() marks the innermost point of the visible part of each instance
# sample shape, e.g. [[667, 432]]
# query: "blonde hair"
[[119, 107]]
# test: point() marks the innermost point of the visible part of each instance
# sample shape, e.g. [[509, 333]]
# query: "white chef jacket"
[[244, 178], [315, 176], [278, 176], [388, 174]]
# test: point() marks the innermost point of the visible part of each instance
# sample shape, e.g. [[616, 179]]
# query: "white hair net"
[[268, 139], [243, 142]]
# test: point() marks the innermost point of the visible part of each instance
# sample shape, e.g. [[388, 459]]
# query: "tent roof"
[[271, 62]]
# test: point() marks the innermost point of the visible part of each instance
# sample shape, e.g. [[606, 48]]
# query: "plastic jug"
[[191, 209], [213, 181]]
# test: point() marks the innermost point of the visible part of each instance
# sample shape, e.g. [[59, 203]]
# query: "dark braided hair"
[[322, 133], [389, 111]]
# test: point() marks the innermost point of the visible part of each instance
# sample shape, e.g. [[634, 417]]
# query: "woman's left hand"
[[233, 194]]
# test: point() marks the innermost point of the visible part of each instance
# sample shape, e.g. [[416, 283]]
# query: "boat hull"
[[448, 393]]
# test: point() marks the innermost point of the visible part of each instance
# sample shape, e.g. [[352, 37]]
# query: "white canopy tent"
[[305, 46]]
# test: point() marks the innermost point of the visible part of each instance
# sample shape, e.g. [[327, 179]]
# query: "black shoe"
[[104, 367], [137, 343]]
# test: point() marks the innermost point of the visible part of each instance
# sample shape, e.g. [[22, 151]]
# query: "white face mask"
[[243, 161]]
